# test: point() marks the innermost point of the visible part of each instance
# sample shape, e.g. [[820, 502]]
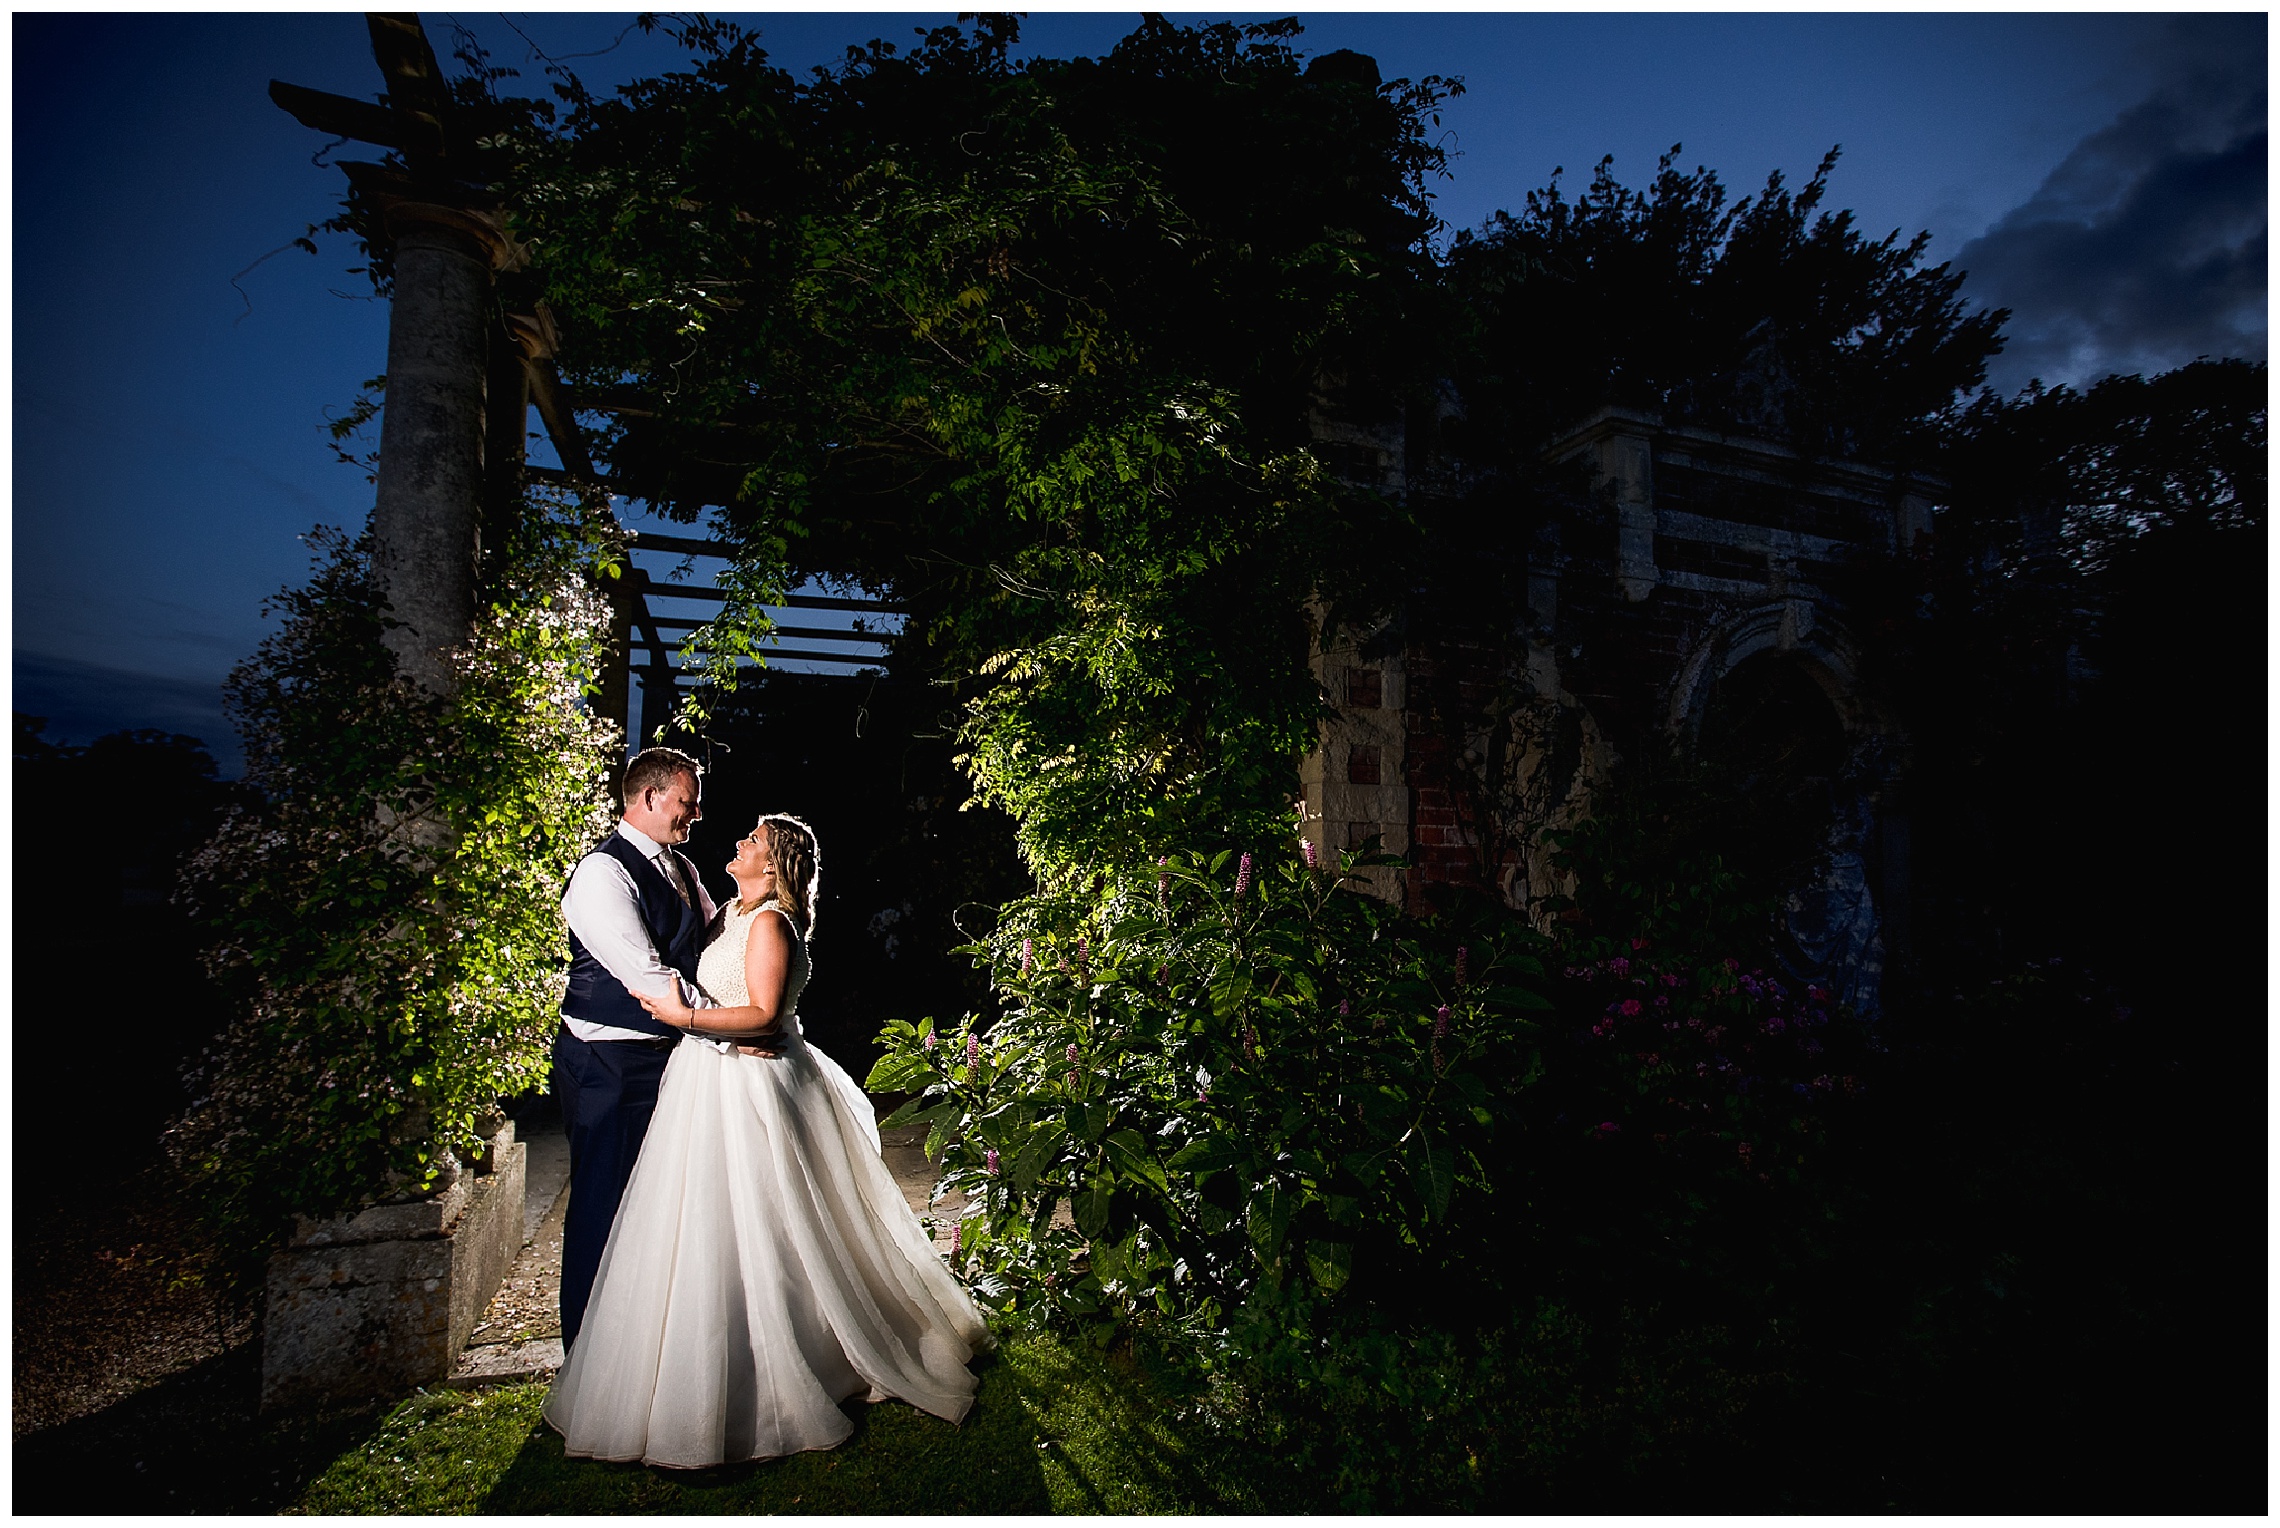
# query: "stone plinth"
[[373, 1304]]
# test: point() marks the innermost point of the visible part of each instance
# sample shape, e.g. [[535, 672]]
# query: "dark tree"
[[1767, 315], [2086, 671], [104, 832]]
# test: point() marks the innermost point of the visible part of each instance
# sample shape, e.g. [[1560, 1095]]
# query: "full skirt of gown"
[[763, 1267]]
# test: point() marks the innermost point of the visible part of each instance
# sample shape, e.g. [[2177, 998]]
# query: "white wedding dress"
[[763, 1266]]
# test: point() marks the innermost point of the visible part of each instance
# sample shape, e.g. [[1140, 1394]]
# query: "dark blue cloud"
[[83, 701], [2146, 247]]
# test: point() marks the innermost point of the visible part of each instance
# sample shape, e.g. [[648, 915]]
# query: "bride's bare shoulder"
[[778, 927]]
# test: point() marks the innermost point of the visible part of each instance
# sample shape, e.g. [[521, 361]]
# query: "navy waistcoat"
[[675, 927]]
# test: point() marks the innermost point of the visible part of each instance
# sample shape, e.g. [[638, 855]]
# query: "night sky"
[[2101, 175]]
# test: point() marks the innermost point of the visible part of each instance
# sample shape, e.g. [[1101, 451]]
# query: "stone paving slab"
[[546, 1173]]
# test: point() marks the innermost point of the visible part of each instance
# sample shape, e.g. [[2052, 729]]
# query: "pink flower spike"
[[1242, 875], [1441, 1021], [973, 1052], [1306, 850], [931, 1041], [1072, 1055], [990, 1160]]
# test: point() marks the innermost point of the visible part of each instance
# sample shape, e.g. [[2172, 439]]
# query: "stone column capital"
[[452, 228]]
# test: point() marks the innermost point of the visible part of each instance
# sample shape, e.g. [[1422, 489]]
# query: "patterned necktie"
[[673, 877]]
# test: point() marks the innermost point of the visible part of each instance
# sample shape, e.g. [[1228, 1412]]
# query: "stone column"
[[1627, 466], [427, 512]]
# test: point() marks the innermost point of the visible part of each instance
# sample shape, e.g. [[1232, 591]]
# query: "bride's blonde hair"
[[791, 847]]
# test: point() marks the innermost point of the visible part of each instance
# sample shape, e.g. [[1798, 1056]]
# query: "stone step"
[[507, 1363], [519, 1336]]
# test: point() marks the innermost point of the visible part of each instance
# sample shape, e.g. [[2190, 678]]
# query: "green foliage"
[[1032, 344], [1251, 1089], [385, 923]]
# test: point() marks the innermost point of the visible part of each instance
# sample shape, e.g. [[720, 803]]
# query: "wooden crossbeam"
[[687, 546], [416, 90], [554, 412], [800, 654], [788, 602], [346, 117], [828, 633]]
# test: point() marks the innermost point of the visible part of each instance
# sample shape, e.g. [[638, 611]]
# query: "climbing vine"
[[1034, 346], [385, 924]]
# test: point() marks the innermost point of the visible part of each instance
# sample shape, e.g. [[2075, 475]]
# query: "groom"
[[637, 914]]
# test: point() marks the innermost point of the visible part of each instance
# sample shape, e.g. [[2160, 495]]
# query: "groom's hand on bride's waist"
[[770, 1043]]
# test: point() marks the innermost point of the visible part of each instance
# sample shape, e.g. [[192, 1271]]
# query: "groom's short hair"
[[653, 769]]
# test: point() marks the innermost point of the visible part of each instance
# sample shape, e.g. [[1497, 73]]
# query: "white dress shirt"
[[603, 908]]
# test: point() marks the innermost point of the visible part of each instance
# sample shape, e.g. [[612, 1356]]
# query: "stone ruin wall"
[[1697, 552]]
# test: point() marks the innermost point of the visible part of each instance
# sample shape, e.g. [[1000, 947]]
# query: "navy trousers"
[[607, 1090]]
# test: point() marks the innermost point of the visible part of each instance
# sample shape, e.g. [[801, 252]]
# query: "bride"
[[763, 1266]]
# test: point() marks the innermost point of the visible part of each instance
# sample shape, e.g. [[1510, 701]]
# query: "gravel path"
[[109, 1299]]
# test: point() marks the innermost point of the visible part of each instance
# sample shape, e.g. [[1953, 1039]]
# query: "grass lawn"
[[1055, 1429]]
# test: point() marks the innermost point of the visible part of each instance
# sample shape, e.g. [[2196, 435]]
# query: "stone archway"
[[1774, 695]]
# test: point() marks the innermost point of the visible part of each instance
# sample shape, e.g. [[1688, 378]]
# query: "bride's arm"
[[767, 964]]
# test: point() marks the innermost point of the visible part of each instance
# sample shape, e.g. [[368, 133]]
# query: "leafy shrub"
[[386, 924], [1254, 1090], [1526, 1405], [1691, 1116], [1716, 1062]]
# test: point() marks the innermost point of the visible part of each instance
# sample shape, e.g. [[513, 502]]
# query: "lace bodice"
[[720, 969]]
